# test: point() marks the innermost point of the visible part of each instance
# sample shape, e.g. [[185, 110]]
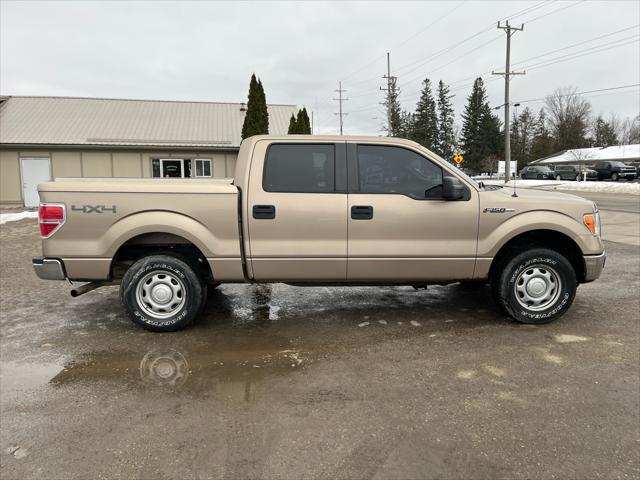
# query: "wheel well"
[[159, 243], [550, 239]]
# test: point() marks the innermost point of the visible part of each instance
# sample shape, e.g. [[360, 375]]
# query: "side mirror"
[[452, 188]]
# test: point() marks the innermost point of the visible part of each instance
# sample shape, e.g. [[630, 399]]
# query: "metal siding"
[[10, 178], [95, 121]]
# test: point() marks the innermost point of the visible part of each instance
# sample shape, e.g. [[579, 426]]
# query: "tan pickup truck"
[[309, 210]]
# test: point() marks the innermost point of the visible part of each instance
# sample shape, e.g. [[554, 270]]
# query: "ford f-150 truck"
[[310, 210]]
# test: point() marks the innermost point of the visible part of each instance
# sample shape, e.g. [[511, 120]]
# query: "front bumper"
[[49, 268], [593, 265]]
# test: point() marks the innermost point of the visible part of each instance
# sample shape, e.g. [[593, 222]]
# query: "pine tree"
[[394, 112], [424, 128], [604, 134], [293, 126], [446, 136], [480, 128], [542, 142], [304, 125], [256, 120]]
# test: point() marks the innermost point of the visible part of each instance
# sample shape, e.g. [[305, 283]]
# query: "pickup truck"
[[317, 210], [614, 171]]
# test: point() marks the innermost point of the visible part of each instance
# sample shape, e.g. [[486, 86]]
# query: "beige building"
[[42, 138]]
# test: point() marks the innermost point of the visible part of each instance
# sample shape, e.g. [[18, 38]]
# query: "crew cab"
[[309, 210], [614, 171]]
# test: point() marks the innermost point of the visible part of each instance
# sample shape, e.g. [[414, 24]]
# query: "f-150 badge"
[[93, 208], [497, 210]]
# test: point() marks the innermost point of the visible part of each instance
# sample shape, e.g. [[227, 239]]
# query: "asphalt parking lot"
[[292, 383]]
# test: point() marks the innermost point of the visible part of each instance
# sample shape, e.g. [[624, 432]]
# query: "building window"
[[203, 167], [180, 167]]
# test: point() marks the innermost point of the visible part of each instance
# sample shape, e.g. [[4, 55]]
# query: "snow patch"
[[594, 187], [564, 338], [14, 217]]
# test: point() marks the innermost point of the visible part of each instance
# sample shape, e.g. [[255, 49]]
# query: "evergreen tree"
[[446, 134], [424, 128], [293, 126], [480, 128], [304, 124], [256, 120], [542, 142], [604, 134], [394, 112], [522, 133]]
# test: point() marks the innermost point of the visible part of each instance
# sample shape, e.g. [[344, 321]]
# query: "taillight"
[[51, 216]]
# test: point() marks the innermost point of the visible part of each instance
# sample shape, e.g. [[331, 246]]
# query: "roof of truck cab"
[[334, 138]]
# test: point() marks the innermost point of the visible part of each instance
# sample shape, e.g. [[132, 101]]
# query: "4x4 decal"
[[93, 208]]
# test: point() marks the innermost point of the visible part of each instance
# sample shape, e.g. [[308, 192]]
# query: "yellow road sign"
[[458, 159]]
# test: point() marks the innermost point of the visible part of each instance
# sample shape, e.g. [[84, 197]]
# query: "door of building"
[[33, 171]]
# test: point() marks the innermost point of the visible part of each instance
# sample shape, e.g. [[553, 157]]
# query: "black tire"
[[558, 177], [578, 178], [615, 177], [508, 284], [187, 293], [539, 177]]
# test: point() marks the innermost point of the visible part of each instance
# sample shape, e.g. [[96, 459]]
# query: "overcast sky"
[[207, 51]]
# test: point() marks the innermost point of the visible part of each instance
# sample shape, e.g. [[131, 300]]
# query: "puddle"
[[195, 370], [18, 378]]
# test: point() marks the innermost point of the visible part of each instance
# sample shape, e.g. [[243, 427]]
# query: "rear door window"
[[300, 168]]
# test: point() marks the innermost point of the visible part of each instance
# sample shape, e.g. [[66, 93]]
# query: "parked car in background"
[[614, 171], [537, 172], [574, 172], [636, 165]]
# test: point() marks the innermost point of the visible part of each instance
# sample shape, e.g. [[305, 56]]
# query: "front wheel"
[[614, 177], [578, 178], [162, 293], [536, 286], [558, 177]]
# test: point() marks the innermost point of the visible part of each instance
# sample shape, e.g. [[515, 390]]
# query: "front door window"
[[172, 168]]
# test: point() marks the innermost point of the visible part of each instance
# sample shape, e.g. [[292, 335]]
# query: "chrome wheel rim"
[[160, 294], [538, 287]]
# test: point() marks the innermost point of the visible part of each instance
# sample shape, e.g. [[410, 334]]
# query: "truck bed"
[[146, 185]]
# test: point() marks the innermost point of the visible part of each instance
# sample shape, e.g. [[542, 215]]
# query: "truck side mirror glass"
[[452, 188]]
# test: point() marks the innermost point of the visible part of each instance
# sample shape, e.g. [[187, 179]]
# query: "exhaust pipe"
[[87, 287]]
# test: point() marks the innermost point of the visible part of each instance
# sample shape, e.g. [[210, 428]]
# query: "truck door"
[[297, 211], [400, 227]]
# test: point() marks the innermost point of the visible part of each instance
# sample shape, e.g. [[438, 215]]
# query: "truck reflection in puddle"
[[164, 368]]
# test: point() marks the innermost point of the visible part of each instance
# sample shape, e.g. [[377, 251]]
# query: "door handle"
[[264, 212], [361, 212]]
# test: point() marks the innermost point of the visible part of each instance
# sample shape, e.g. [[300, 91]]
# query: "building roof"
[[121, 122], [624, 153]]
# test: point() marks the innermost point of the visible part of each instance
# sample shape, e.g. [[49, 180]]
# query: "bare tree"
[[568, 115], [629, 131]]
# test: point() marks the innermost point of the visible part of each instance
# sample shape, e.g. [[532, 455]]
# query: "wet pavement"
[[285, 382]]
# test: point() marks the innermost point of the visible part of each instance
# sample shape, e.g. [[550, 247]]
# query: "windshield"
[[618, 164]]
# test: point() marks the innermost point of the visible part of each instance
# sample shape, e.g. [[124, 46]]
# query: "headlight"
[[592, 222]]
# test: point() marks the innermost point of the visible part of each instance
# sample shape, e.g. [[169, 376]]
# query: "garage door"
[[34, 171]]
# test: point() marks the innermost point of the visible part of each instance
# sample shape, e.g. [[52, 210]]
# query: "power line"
[[340, 113], [620, 87], [404, 42]]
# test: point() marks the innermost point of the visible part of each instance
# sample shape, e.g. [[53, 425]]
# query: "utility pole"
[[311, 122], [340, 99], [388, 90], [509, 30]]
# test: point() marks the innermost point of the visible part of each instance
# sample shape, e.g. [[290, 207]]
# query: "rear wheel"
[[162, 293], [578, 178], [535, 286], [558, 177]]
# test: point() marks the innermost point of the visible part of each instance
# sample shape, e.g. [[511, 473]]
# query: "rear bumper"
[[48, 268], [593, 266]]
